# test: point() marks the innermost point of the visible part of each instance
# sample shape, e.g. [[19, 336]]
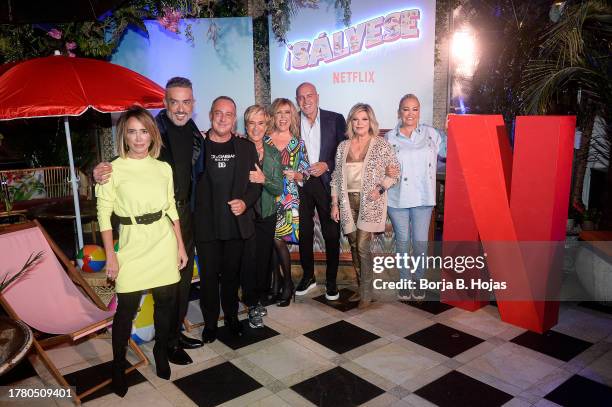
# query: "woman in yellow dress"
[[151, 251]]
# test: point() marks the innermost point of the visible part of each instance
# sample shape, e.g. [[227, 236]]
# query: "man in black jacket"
[[182, 143], [321, 131], [224, 201]]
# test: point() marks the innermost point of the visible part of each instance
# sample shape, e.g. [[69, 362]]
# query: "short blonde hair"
[[361, 107], [276, 105], [146, 119], [253, 110]]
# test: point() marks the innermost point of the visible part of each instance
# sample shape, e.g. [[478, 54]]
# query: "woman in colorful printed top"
[[284, 136], [411, 201], [358, 190], [151, 251]]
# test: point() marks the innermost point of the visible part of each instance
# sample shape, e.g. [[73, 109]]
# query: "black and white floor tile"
[[329, 353]]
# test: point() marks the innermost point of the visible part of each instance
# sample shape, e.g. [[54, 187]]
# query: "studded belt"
[[145, 219]]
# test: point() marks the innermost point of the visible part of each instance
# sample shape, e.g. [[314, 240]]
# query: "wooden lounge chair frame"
[[40, 346]]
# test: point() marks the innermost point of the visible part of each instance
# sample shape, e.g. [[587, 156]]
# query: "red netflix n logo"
[[503, 198]]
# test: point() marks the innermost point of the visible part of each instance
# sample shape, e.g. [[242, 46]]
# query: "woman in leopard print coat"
[[358, 188]]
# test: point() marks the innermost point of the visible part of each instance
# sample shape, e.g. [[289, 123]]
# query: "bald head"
[[308, 99]]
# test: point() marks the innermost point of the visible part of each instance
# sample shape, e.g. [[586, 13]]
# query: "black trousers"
[[313, 195], [164, 319], [256, 273], [220, 262], [184, 285]]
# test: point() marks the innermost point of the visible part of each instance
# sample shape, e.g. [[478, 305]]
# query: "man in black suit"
[[224, 200], [321, 131]]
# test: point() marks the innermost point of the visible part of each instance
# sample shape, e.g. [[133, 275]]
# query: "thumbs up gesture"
[[257, 176]]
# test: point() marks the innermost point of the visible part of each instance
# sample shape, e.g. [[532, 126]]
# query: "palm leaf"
[[30, 262], [544, 79], [574, 54]]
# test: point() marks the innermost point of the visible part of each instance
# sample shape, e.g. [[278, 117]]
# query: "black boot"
[[119, 384], [288, 290], [162, 367], [275, 288]]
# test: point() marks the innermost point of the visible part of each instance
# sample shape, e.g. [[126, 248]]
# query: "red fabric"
[[64, 86]]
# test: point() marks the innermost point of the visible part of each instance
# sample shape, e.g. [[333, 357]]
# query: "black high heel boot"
[[288, 292], [275, 289], [119, 383], [162, 366]]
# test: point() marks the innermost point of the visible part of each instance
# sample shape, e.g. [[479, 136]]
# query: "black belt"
[[145, 219]]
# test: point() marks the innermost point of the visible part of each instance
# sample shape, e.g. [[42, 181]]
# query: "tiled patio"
[[392, 354]]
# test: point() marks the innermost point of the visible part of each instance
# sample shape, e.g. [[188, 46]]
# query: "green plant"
[[98, 39], [281, 12], [572, 74]]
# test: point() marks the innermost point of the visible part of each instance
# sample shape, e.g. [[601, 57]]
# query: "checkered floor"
[[392, 354]]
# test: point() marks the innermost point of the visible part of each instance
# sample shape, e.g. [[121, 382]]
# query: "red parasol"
[[64, 86]]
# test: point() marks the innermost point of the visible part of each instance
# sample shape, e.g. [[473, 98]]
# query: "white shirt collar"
[[317, 119]]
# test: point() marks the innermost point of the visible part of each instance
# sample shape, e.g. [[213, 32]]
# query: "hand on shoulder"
[[102, 172]]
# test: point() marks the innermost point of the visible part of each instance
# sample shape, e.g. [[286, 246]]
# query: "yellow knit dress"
[[147, 254]]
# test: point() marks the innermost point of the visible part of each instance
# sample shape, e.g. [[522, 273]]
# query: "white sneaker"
[[404, 295], [419, 295], [305, 286], [332, 295]]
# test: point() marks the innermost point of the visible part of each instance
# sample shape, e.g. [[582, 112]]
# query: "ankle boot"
[[119, 383]]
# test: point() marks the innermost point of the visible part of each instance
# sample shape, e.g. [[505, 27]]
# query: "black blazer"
[[333, 132], [246, 158], [165, 153]]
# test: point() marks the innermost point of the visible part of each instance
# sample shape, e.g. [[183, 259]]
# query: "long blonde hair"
[[276, 105], [361, 107], [146, 119]]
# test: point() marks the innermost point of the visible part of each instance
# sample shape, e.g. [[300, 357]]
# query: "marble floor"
[[332, 354]]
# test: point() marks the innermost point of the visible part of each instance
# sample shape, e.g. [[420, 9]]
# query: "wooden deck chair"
[[50, 298]]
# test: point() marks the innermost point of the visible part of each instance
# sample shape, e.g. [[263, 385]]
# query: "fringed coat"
[[372, 214]]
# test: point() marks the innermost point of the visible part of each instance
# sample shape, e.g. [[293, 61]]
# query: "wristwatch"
[[381, 189]]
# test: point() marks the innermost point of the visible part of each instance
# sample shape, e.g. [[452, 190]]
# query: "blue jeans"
[[411, 227]]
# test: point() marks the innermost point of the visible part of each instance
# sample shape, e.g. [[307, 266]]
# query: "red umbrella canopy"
[[64, 86]]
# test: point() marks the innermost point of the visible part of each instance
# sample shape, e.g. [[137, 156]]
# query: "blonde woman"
[[268, 173], [284, 136], [412, 200], [358, 189], [151, 249]]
